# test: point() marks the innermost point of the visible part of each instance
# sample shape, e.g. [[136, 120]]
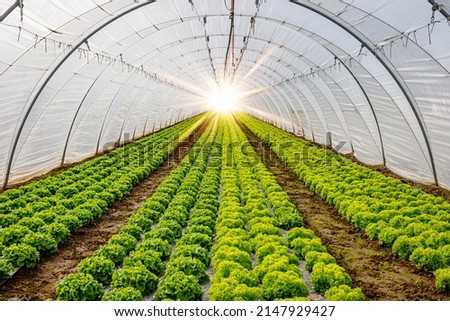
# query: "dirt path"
[[371, 266], [39, 283]]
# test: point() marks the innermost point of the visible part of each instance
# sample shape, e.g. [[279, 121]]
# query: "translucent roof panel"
[[369, 78]]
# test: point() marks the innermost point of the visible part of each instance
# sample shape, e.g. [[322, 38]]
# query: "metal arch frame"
[[399, 32], [114, 103], [12, 152], [314, 109], [358, 83], [102, 72], [383, 152], [69, 134], [50, 76], [308, 62], [165, 46], [255, 51], [273, 71], [141, 86], [132, 81], [108, 109], [352, 75], [285, 100], [17, 3], [105, 68], [272, 110], [366, 95], [343, 125], [267, 105], [80, 106], [136, 102], [384, 61], [388, 95]]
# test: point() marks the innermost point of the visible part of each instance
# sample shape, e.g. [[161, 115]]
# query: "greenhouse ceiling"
[[365, 77]]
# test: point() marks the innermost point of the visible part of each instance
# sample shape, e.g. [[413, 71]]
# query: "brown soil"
[[371, 266], [38, 284]]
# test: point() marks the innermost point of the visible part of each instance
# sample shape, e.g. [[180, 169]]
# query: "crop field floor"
[[371, 266], [39, 283]]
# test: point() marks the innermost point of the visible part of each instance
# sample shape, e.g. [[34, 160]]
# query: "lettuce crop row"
[[253, 217], [187, 265], [36, 218], [134, 258], [415, 225], [231, 253]]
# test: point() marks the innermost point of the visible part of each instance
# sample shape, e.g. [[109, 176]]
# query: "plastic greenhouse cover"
[[83, 74]]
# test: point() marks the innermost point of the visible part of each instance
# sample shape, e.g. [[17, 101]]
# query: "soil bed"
[[371, 266], [39, 283]]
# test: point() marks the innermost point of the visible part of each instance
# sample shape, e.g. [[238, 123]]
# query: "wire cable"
[[204, 20], [246, 39]]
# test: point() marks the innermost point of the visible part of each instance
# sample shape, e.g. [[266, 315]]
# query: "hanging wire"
[[231, 43], [204, 21], [101, 58], [251, 31], [226, 5], [21, 10]]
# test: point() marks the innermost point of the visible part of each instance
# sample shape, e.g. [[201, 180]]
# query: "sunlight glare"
[[224, 99]]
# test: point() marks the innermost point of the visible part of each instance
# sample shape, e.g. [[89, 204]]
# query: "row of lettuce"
[[215, 209], [415, 225], [253, 256], [164, 246], [36, 218]]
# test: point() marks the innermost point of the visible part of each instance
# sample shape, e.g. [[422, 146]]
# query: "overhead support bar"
[[18, 3], [439, 7]]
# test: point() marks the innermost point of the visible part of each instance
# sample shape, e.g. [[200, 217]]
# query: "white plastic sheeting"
[[367, 77]]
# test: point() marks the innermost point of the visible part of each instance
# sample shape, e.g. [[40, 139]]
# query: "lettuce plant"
[[114, 252], [282, 285], [149, 258], [126, 240], [189, 266], [312, 258], [442, 280], [13, 234], [5, 269], [123, 294], [99, 267], [137, 277], [427, 259], [193, 251], [79, 287], [43, 242], [344, 293], [157, 245], [72, 222], [326, 276], [58, 231], [21, 255], [179, 286]]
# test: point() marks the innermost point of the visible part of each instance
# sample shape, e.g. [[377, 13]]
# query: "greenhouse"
[[225, 150]]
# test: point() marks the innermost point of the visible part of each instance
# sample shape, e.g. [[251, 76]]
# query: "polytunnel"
[[368, 78], [225, 150]]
